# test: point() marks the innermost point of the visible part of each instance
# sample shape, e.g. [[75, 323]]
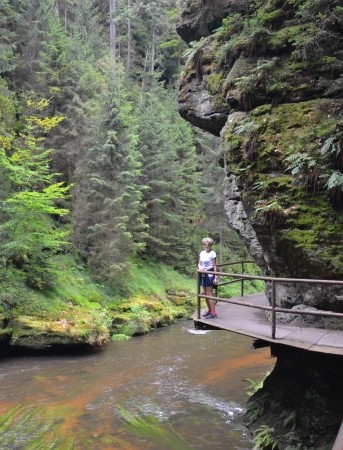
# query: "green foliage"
[[29, 236], [109, 226], [138, 322], [120, 337], [193, 47], [330, 146], [161, 279], [258, 78], [304, 164], [234, 289], [15, 297], [262, 206], [291, 420], [230, 25], [152, 429], [7, 37], [299, 163], [40, 428], [136, 169], [254, 386], [254, 411], [246, 127], [264, 438], [169, 178]]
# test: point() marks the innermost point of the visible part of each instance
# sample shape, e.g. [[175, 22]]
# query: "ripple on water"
[[199, 331]]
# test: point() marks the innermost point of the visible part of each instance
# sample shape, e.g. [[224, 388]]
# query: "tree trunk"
[[247, 10], [128, 36], [153, 50], [112, 28]]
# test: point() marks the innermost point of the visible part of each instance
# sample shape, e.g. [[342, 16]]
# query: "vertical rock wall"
[[271, 88]]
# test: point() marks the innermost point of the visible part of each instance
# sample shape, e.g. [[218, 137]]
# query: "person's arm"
[[214, 261], [200, 265]]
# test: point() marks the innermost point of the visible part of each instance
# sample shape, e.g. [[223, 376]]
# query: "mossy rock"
[[36, 333]]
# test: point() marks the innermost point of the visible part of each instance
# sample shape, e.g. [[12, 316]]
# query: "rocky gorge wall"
[[266, 77], [269, 83]]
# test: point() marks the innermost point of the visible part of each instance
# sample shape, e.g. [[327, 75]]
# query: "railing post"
[[273, 310], [242, 281], [199, 279]]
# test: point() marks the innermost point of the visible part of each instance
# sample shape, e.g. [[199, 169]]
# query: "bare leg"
[[210, 303]]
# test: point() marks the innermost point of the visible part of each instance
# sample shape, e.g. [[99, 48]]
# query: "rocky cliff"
[[266, 77], [268, 81]]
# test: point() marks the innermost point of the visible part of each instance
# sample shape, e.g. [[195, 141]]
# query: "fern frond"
[[335, 180], [330, 146]]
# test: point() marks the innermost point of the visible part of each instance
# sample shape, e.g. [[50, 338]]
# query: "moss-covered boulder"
[[36, 333]]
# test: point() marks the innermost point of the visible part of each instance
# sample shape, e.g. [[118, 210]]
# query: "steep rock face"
[[199, 18], [302, 400], [270, 85]]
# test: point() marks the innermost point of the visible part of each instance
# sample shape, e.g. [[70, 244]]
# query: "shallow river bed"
[[176, 388]]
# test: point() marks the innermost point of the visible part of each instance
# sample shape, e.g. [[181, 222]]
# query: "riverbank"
[[76, 311]]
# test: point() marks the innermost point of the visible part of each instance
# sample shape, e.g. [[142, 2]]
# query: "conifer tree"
[[168, 174], [108, 218]]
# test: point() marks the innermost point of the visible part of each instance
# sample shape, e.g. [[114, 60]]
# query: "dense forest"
[[95, 161]]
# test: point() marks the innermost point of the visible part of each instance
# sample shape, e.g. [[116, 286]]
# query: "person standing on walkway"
[[208, 263]]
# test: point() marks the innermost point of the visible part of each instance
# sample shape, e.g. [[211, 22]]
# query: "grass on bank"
[[151, 296]]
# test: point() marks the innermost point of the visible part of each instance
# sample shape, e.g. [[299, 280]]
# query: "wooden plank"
[[252, 322], [332, 339]]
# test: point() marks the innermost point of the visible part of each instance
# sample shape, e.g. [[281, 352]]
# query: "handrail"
[[236, 262], [338, 445], [241, 277]]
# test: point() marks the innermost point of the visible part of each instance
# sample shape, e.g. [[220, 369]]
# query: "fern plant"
[[335, 180], [246, 127], [299, 163], [263, 206], [330, 146], [290, 420], [255, 385], [192, 49], [264, 438]]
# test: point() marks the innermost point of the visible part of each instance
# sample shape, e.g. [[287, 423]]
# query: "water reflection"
[[173, 388]]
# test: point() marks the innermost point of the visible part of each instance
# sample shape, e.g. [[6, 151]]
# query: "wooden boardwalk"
[[252, 322]]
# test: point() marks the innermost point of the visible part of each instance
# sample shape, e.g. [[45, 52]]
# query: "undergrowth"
[[234, 289], [152, 295]]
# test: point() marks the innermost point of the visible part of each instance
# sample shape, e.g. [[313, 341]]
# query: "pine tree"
[[108, 218], [168, 173]]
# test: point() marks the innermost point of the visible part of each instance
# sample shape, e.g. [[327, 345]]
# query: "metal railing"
[[273, 280]]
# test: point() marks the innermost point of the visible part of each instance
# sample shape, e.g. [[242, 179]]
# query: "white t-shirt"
[[206, 259]]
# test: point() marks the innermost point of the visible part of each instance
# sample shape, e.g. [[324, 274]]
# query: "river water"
[[173, 389]]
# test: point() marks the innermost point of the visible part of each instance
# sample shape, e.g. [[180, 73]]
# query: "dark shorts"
[[207, 280]]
